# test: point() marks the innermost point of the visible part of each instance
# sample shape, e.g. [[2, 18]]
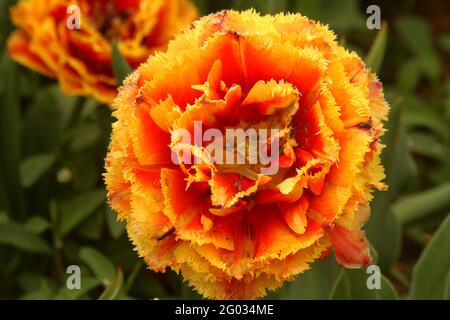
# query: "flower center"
[[109, 17]]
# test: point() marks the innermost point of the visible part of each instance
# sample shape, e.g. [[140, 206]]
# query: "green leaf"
[[430, 64], [84, 170], [92, 227], [3, 198], [10, 139], [88, 111], [421, 204], [352, 285], [37, 224], [85, 135], [87, 284], [400, 167], [153, 287], [445, 42], [44, 289], [34, 167], [116, 228], [47, 120], [415, 32], [388, 242], [5, 22], [276, 6], [133, 275], [16, 235], [376, 53], [261, 6], [418, 114], [342, 15], [313, 284], [202, 6], [30, 281], [3, 217], [100, 265], [447, 287], [431, 271], [189, 293], [409, 75], [426, 144], [78, 209], [114, 289], [120, 66]]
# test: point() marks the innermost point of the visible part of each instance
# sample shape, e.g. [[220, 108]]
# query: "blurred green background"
[[53, 210]]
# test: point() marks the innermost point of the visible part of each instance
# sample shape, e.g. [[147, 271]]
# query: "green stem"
[[400, 277], [133, 275]]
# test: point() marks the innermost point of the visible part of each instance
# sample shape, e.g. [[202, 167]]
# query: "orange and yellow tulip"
[[232, 232], [81, 58]]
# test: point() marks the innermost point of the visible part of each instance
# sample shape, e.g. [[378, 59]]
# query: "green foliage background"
[[53, 211]]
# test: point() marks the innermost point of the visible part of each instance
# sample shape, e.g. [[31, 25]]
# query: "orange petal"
[[18, 48], [212, 85], [270, 96], [331, 202], [228, 188], [317, 182], [313, 134], [350, 247], [354, 145], [165, 114], [185, 209], [295, 214], [151, 144], [276, 239]]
